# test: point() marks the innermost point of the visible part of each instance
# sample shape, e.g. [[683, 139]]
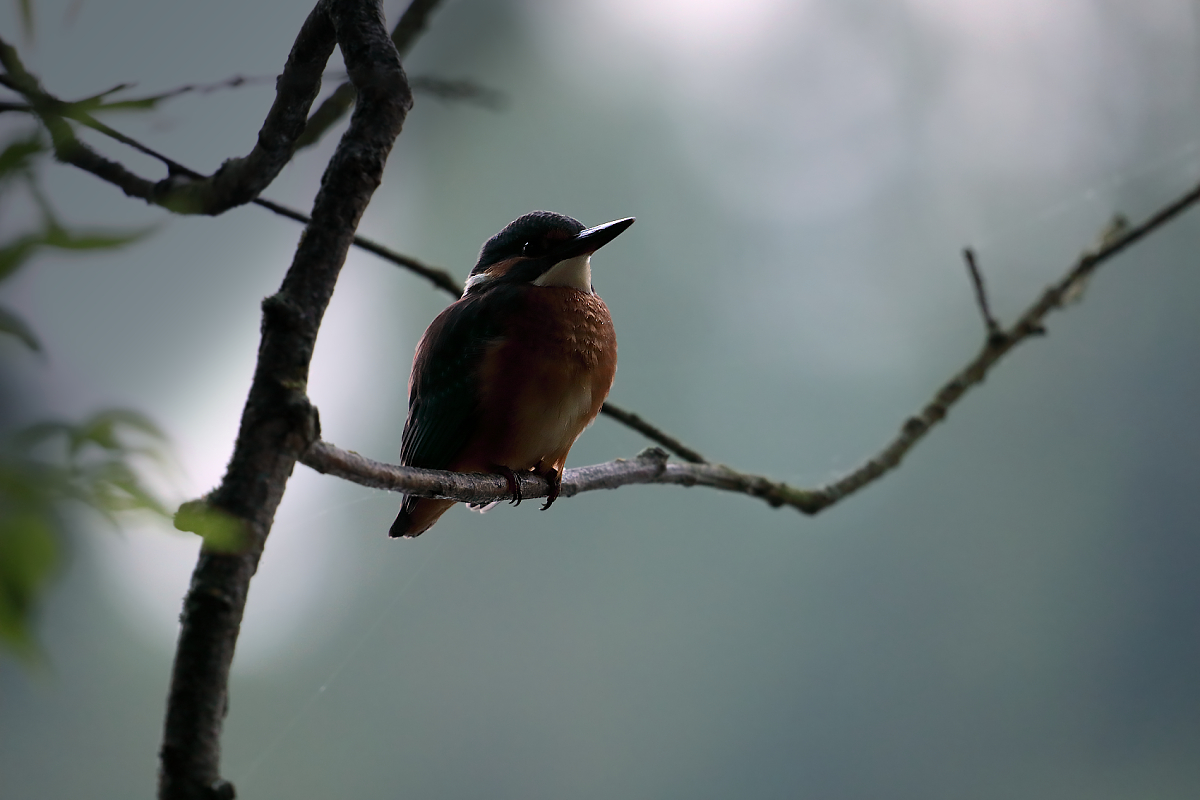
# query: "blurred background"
[[1014, 613]]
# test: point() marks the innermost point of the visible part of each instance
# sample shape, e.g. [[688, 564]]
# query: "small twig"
[[652, 433], [460, 90], [408, 29], [150, 101], [450, 90], [438, 277], [994, 334]]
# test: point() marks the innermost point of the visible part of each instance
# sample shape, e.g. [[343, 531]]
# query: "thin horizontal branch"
[[446, 89], [651, 466], [151, 101]]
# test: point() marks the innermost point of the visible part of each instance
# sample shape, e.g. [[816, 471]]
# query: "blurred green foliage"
[[49, 465], [17, 161]]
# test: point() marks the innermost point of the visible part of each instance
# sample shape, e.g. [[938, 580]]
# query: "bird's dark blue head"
[[542, 248]]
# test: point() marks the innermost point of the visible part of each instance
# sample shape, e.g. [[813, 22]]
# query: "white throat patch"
[[575, 273]]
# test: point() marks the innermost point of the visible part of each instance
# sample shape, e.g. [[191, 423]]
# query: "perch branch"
[[652, 466], [649, 466]]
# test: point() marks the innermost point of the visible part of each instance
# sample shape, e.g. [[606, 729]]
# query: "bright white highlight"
[[696, 27], [300, 588]]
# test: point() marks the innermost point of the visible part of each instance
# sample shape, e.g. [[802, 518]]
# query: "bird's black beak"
[[592, 239]]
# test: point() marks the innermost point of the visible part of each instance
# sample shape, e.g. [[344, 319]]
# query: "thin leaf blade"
[[16, 327]]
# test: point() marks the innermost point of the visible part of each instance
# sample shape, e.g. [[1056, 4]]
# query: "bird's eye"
[[532, 248]]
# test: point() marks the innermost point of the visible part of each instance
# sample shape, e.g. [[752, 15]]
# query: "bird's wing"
[[443, 401]]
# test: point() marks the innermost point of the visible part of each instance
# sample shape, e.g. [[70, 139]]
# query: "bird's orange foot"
[[555, 480], [514, 485]]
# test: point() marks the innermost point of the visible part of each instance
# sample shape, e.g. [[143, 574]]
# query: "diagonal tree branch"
[[651, 465], [239, 180], [278, 423], [438, 277], [137, 187], [408, 29]]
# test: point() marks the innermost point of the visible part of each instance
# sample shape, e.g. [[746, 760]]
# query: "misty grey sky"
[[1012, 614]]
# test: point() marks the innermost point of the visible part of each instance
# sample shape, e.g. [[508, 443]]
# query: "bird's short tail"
[[417, 515]]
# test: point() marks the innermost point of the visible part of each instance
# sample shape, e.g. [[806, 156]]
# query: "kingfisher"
[[506, 378]]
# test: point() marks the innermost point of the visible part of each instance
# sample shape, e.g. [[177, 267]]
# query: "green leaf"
[[139, 104], [17, 155], [51, 463], [28, 556], [14, 254], [56, 235], [131, 419], [13, 325], [28, 484], [17, 252], [88, 104], [31, 436], [114, 486], [222, 532], [101, 429]]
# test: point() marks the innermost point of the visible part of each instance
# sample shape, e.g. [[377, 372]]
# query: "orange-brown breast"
[[543, 382]]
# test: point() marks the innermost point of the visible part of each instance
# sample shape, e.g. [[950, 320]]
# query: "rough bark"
[[278, 423]]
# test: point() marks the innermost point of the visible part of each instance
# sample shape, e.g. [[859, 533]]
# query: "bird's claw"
[[514, 485], [555, 480]]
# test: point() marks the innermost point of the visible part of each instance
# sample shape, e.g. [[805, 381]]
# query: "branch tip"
[[995, 336]]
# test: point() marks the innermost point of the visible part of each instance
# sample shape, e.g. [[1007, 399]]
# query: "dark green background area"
[[1011, 614]]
